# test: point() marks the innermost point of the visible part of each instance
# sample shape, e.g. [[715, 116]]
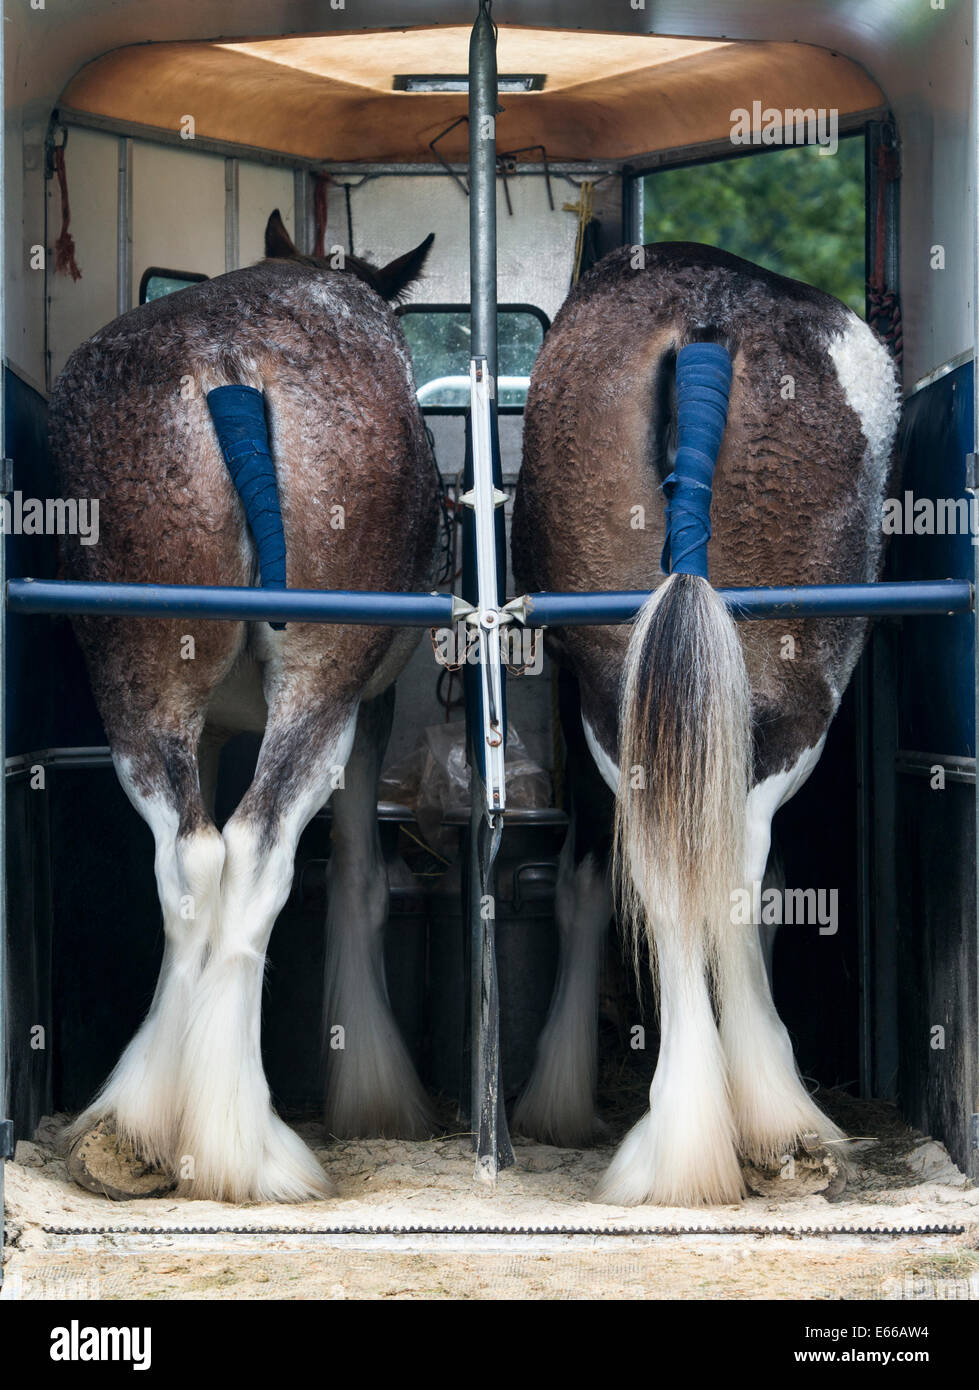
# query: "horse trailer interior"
[[145, 147]]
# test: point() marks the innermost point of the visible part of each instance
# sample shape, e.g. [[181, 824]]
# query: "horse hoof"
[[103, 1163], [813, 1168]]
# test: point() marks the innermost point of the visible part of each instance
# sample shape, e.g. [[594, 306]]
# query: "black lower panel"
[[938, 1007], [816, 983]]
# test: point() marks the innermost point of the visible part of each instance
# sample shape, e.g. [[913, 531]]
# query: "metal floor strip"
[[423, 1230]]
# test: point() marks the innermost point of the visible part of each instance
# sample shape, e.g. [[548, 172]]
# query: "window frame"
[[466, 308], [862, 124], [194, 277]]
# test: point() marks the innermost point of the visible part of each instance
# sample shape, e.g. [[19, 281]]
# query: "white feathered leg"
[[772, 1106], [372, 1086], [682, 1152], [142, 1096], [558, 1103], [232, 1145]]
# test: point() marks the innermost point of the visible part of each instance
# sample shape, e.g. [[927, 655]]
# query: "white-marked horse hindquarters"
[[704, 728]]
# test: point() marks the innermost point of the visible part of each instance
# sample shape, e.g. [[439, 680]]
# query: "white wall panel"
[[261, 188], [77, 308], [178, 210], [535, 246]]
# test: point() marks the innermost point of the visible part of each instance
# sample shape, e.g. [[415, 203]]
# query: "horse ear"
[[278, 242], [392, 280]]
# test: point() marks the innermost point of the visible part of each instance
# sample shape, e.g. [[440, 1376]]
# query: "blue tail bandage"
[[703, 384], [238, 413]]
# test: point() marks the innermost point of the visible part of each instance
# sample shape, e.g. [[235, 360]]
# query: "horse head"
[[390, 281]]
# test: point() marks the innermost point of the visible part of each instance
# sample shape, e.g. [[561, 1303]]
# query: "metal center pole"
[[6, 1127], [486, 564], [482, 187]]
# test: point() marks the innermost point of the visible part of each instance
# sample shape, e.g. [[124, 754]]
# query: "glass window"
[[157, 282], [794, 210], [439, 340]]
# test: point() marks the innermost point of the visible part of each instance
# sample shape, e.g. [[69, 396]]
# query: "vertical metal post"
[[4, 1040], [886, 1043], [974, 116], [482, 186], [633, 210], [876, 742], [232, 252], [485, 572], [303, 202], [124, 228], [864, 875]]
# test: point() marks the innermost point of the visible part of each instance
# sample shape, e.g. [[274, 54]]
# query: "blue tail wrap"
[[238, 413], [703, 385]]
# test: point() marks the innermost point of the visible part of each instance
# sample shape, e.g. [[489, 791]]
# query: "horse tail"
[[684, 751], [680, 820], [684, 721], [238, 414]]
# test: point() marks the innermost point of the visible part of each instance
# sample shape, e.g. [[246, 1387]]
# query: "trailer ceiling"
[[331, 97]]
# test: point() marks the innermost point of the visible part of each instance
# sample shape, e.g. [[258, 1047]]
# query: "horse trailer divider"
[[882, 600]]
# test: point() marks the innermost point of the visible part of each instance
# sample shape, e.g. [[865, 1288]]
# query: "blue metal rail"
[[211, 601], [809, 601], [441, 610]]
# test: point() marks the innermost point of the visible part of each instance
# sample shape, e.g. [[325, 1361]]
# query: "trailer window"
[[157, 282], [793, 210], [439, 340]]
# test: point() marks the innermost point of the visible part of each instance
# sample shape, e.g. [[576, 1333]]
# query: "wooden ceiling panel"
[[330, 97]]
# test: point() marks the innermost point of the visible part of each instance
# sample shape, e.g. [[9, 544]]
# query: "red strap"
[[887, 171], [320, 182], [64, 247]]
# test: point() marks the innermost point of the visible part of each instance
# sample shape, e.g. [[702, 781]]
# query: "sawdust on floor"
[[898, 1178]]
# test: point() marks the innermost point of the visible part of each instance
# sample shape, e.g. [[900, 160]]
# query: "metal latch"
[[6, 1139]]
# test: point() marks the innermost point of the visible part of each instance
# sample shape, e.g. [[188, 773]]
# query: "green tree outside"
[[792, 210]]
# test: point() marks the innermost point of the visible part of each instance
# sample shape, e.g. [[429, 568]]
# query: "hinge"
[[6, 1139], [6, 475]]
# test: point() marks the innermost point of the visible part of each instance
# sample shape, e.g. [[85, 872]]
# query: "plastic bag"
[[434, 779]]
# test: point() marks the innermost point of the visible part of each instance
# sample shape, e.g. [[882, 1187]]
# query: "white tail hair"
[[684, 749], [685, 745]]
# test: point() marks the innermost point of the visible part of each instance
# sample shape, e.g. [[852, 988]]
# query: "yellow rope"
[[583, 207]]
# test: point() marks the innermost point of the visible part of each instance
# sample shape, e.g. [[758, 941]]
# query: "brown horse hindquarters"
[[130, 425], [800, 476], [797, 487]]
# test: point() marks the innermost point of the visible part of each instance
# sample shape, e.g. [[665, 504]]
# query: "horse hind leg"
[[789, 1146], [558, 1103], [372, 1087], [682, 1152], [141, 1101], [232, 1144]]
